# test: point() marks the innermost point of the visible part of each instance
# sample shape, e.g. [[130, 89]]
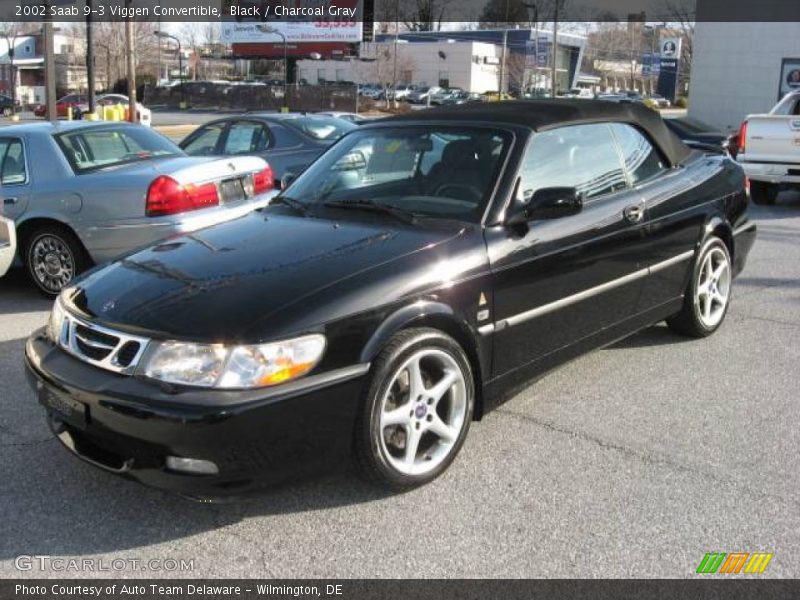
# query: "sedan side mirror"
[[548, 203], [287, 180]]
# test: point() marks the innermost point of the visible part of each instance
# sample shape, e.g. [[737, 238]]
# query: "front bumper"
[[132, 425], [744, 236]]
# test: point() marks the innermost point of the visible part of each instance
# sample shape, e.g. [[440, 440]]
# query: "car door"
[[674, 215], [558, 281], [15, 177]]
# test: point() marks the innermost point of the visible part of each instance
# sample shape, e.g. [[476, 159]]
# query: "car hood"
[[247, 280]]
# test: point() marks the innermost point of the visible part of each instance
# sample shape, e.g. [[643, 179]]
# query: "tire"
[[708, 293], [763, 193], [53, 258], [395, 407]]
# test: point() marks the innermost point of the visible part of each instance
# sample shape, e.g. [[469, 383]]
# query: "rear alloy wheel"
[[709, 292], [53, 257], [418, 409], [763, 193]]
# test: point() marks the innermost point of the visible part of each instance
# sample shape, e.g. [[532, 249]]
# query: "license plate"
[[231, 190], [63, 407]]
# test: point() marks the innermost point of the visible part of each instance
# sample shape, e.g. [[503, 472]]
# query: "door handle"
[[10, 201], [634, 213]]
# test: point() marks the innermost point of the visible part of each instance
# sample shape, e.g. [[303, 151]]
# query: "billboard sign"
[[671, 48], [790, 76], [248, 32]]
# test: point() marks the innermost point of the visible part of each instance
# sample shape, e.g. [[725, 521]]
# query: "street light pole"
[[273, 30], [163, 34], [90, 70], [555, 50], [12, 43], [49, 67], [535, 9]]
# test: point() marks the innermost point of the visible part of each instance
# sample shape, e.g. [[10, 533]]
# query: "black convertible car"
[[390, 295]]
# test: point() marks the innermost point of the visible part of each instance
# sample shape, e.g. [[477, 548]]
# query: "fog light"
[[192, 465]]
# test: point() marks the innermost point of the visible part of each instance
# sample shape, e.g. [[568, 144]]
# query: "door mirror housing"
[[548, 203], [287, 180]]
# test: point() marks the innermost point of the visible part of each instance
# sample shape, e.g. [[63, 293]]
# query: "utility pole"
[[503, 57], [396, 35], [90, 66], [555, 50], [129, 51], [49, 66], [535, 9]]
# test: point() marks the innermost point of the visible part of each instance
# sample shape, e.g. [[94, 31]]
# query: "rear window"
[[321, 128], [95, 148]]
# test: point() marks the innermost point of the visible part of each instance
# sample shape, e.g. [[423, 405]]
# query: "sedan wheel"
[[53, 258], [418, 409], [708, 294]]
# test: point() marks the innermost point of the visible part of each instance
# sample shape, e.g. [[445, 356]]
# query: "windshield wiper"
[[368, 205], [295, 205]]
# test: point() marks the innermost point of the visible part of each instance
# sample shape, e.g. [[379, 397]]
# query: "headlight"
[[236, 367], [56, 323]]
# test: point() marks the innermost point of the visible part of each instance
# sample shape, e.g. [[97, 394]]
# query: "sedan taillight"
[[165, 196], [262, 181], [740, 142]]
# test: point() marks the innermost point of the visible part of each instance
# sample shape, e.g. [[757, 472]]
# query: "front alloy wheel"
[[417, 411]]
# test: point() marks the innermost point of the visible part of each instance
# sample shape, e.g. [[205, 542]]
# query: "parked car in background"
[[768, 148], [393, 293], [421, 94], [462, 97], [401, 92], [85, 192], [8, 244], [494, 96], [288, 141], [8, 106], [444, 94], [64, 104], [347, 116], [699, 135]]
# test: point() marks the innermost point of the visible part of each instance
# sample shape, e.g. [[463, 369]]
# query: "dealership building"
[[741, 68], [470, 60]]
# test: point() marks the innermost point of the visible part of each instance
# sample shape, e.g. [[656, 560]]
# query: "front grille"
[[102, 347]]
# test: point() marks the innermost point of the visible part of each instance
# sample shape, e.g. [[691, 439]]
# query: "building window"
[[320, 75], [339, 74], [444, 79]]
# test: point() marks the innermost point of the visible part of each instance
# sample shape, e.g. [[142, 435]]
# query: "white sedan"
[[8, 244]]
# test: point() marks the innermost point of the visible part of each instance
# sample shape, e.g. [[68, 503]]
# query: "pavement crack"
[[645, 457], [776, 321], [26, 444]]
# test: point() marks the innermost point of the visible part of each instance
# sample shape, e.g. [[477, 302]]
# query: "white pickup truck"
[[768, 148]]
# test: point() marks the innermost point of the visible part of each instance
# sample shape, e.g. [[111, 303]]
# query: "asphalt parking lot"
[[633, 461]]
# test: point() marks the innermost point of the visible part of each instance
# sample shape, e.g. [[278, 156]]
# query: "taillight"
[[262, 181], [165, 196], [742, 136]]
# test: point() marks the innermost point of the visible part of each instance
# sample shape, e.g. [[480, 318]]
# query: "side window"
[[641, 159], [580, 156], [205, 142], [283, 137], [12, 165], [245, 137]]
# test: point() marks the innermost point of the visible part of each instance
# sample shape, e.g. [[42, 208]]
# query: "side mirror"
[[352, 161], [287, 180], [548, 203]]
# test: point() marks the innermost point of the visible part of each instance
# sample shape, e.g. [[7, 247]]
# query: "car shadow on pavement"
[[657, 335], [52, 503], [18, 294]]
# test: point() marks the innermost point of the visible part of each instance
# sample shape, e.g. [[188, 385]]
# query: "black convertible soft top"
[[548, 114]]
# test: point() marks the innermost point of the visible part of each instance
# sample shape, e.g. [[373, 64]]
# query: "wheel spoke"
[[412, 444], [707, 308], [443, 430], [398, 416], [702, 289], [416, 387], [720, 270], [443, 386], [719, 298]]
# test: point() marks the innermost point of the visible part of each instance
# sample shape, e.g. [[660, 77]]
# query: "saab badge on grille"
[[110, 305]]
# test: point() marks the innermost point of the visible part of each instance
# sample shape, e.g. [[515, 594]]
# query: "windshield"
[[441, 171], [97, 147], [321, 128]]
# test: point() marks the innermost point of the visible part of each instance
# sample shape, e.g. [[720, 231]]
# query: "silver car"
[[83, 193]]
